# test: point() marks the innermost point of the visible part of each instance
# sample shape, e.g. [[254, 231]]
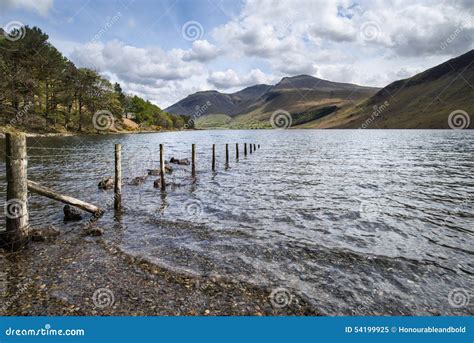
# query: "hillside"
[[422, 101], [303, 95], [46, 93]]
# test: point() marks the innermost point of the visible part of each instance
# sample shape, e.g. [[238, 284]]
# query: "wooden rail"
[[49, 193]]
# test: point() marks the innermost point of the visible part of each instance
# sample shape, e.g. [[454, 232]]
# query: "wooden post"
[[49, 193], [16, 207], [213, 157], [254, 148], [227, 155], [250, 148], [193, 159], [259, 146], [236, 151], [118, 178], [245, 149], [162, 167]]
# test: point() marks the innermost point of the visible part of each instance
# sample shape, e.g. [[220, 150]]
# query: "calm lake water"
[[356, 221]]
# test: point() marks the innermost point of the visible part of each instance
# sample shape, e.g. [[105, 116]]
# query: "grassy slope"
[[424, 101], [300, 103]]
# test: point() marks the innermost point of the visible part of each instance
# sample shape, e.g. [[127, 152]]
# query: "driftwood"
[[41, 190]]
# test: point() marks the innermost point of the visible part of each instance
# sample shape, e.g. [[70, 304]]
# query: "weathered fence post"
[[162, 167], [259, 146], [236, 151], [193, 159], [250, 147], [245, 149], [254, 148], [213, 157], [16, 207], [227, 155], [118, 177]]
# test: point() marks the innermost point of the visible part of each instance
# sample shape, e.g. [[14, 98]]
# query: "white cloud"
[[41, 7], [201, 51], [230, 78], [369, 43], [132, 64]]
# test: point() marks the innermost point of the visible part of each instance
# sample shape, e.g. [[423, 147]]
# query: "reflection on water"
[[356, 221]]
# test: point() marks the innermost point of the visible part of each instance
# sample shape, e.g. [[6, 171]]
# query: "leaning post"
[[250, 147], [118, 178], [16, 207], [236, 151]]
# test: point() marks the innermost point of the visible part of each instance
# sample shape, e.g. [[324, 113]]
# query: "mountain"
[[302, 95], [425, 100], [422, 101]]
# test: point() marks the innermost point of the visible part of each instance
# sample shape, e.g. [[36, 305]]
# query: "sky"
[[164, 50]]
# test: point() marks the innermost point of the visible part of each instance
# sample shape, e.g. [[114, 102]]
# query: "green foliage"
[[41, 90]]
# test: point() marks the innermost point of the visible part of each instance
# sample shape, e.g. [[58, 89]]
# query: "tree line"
[[41, 90]]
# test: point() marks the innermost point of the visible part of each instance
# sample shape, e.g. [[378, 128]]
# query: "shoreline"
[[60, 278], [74, 134]]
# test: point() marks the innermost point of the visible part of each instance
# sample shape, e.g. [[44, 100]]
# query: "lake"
[[354, 221]]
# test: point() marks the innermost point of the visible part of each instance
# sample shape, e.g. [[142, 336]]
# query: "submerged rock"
[[156, 172], [93, 231], [184, 161], [44, 234], [71, 213], [137, 181], [107, 183]]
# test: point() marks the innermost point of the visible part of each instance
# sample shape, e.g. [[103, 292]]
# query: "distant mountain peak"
[[258, 96]]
